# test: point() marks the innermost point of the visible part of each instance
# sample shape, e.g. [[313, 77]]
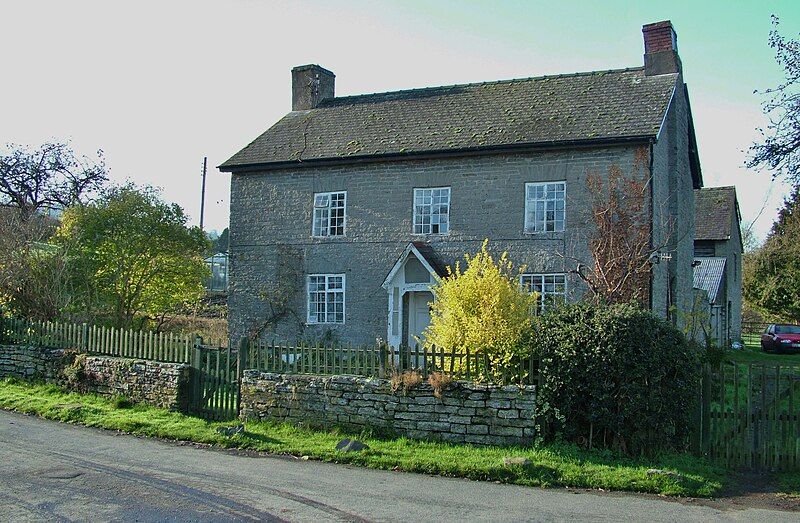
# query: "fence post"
[[382, 360], [705, 409], [196, 394], [85, 338], [242, 356], [696, 441]]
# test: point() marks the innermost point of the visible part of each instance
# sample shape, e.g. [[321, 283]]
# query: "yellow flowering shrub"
[[483, 309]]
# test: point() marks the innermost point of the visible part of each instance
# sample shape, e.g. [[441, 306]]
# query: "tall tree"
[[50, 176], [778, 149], [772, 273], [137, 254]]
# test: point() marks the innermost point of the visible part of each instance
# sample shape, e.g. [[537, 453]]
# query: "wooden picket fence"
[[214, 393], [750, 415], [381, 361]]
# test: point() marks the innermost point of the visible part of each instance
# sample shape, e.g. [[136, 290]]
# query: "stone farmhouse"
[[345, 211], [718, 254]]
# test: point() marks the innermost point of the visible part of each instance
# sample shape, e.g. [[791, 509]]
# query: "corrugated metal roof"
[[708, 275]]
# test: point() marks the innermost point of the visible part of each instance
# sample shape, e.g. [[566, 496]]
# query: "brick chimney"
[[660, 49], [311, 84]]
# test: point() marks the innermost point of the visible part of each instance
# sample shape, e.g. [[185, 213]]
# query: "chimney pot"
[[660, 49], [311, 84]]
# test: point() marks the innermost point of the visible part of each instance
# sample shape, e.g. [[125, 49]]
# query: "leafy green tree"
[[220, 243], [772, 273], [483, 309], [136, 255]]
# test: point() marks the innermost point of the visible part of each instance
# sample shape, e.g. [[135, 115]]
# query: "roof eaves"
[[413, 155]]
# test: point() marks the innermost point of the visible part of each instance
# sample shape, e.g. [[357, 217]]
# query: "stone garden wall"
[[165, 385], [26, 362], [465, 412]]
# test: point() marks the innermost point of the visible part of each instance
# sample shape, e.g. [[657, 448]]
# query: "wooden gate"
[[750, 415], [214, 393]]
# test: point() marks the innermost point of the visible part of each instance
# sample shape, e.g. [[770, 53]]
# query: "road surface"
[[57, 472]]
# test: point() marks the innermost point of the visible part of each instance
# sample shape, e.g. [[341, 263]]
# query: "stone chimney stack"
[[660, 49], [311, 84]]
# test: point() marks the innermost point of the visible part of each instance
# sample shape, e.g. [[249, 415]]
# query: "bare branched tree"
[[620, 244], [779, 149], [50, 176]]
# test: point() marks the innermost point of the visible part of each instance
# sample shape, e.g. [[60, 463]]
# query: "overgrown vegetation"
[[551, 466], [615, 377], [621, 243], [483, 309]]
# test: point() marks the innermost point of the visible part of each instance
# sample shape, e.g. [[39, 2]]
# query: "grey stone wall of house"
[[271, 241], [673, 212], [465, 413], [32, 363], [730, 292], [163, 385], [734, 280]]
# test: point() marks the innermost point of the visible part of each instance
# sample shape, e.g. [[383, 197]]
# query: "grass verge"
[[553, 465], [789, 484]]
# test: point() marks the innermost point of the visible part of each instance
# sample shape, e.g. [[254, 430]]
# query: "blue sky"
[[158, 85]]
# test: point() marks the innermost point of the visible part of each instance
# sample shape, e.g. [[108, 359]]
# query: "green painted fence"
[[750, 415], [382, 361]]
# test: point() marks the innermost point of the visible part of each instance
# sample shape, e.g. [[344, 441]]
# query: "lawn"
[[752, 353], [551, 466]]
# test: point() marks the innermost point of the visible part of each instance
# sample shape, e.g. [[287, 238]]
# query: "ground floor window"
[[326, 298], [552, 288]]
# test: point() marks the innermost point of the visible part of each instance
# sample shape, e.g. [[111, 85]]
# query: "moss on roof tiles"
[[602, 104]]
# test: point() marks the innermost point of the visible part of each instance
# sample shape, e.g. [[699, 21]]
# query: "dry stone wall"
[[26, 362], [164, 385], [465, 413]]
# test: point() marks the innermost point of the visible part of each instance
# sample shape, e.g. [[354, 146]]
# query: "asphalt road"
[[57, 472]]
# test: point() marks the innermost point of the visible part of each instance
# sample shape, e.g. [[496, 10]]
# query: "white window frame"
[[418, 219], [328, 290], [533, 205], [532, 277], [322, 214]]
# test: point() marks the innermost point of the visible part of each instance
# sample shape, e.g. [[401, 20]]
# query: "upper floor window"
[[544, 206], [329, 214], [432, 210], [552, 288], [326, 298]]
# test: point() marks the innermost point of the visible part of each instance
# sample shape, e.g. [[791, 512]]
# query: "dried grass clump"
[[439, 381], [407, 380]]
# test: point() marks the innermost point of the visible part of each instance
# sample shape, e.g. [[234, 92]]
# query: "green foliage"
[[134, 255], [483, 309], [771, 282], [220, 243], [615, 377], [121, 402], [554, 465]]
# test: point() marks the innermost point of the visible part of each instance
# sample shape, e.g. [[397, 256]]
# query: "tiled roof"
[[713, 212], [603, 105], [708, 275]]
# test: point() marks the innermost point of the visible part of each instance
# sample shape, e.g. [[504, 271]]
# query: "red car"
[[781, 338]]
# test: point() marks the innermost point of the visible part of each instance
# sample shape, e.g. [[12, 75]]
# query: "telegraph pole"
[[203, 192]]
